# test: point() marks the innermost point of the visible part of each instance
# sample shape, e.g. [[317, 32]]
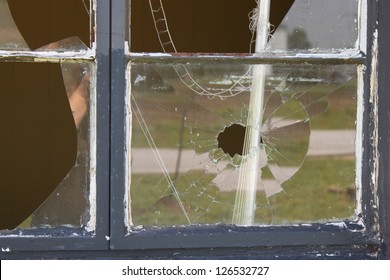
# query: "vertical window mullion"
[[118, 116], [383, 73]]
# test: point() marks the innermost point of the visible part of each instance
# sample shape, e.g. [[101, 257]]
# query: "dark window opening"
[[197, 25], [231, 140], [38, 143], [44, 22]]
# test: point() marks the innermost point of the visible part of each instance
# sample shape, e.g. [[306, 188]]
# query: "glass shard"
[[316, 24], [10, 37], [70, 203]]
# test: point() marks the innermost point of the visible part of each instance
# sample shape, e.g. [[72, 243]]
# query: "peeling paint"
[[6, 250], [340, 225], [344, 54], [361, 42], [128, 156], [91, 225], [359, 138], [43, 56], [374, 102]]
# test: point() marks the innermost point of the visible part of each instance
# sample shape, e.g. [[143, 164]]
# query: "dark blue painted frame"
[[318, 241], [384, 125]]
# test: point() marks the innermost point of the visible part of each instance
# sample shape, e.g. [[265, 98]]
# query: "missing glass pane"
[[196, 26], [220, 27], [45, 24], [182, 174], [45, 144]]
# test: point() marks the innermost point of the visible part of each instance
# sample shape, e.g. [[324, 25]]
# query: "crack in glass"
[[200, 181]]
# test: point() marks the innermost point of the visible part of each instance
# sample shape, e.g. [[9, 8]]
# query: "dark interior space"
[[205, 26], [232, 139], [38, 137], [42, 22]]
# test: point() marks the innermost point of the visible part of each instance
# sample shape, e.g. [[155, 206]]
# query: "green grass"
[[163, 113], [166, 134], [334, 118], [321, 190]]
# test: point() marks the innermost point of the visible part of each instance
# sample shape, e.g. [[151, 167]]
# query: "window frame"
[[383, 72], [317, 241], [222, 237]]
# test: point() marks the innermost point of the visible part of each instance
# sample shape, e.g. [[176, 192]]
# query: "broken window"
[[47, 118], [189, 162], [236, 143], [193, 112]]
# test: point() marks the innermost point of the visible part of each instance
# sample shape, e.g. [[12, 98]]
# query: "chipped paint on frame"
[[375, 115]]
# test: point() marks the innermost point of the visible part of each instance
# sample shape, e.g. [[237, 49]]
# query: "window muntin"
[[50, 116]]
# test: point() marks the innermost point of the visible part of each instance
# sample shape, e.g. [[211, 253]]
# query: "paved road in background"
[[322, 143]]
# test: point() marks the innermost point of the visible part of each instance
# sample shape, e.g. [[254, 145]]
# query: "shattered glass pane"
[[191, 161], [45, 25], [45, 145], [218, 26]]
